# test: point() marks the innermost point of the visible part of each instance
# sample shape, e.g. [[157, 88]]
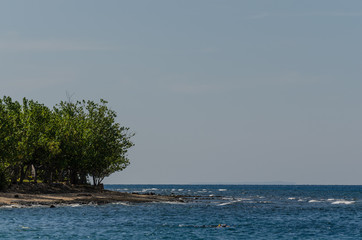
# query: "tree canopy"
[[72, 142]]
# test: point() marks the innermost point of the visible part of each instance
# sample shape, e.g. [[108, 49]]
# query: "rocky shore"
[[60, 194]]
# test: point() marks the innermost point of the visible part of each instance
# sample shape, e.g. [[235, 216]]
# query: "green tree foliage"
[[106, 142], [71, 142]]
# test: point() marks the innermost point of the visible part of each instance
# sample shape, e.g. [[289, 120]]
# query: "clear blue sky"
[[216, 91]]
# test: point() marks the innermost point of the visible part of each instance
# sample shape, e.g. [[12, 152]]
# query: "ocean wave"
[[234, 201], [23, 206], [343, 202], [149, 189], [174, 203], [12, 206], [74, 205], [122, 203], [227, 203]]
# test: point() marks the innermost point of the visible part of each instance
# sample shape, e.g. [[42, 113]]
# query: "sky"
[[216, 91]]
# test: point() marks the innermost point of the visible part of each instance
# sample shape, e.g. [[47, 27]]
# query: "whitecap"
[[174, 202], [243, 199], [222, 190], [343, 202], [149, 189], [122, 203], [291, 198], [314, 201], [226, 203], [74, 205], [231, 202], [38, 206], [11, 206], [180, 189]]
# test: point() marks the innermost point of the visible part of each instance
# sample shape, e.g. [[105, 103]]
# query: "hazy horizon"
[[215, 91]]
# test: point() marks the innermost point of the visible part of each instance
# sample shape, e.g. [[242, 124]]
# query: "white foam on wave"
[[149, 189], [226, 203], [291, 198], [11, 206], [314, 201], [343, 202], [74, 205], [180, 189], [235, 201], [24, 206], [122, 203], [174, 203], [222, 190]]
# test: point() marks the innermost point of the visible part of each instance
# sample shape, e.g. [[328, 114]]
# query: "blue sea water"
[[249, 211]]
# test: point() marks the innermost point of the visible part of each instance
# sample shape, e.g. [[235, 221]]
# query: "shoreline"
[[44, 195]]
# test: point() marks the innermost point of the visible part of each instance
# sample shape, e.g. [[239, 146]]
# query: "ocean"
[[213, 212]]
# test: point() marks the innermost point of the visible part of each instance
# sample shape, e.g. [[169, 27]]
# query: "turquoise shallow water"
[[251, 212]]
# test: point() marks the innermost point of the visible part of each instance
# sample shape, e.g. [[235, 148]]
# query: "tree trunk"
[[73, 177], [23, 171], [34, 174], [14, 177]]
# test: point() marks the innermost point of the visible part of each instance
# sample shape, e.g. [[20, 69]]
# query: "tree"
[[107, 142], [70, 121], [71, 142], [9, 132]]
